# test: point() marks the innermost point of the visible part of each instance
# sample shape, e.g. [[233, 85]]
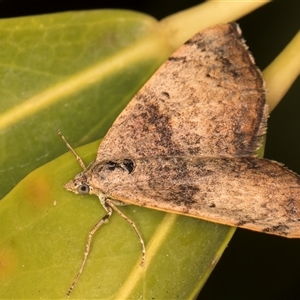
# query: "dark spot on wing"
[[280, 229], [177, 58], [163, 129], [182, 193], [292, 210], [166, 94], [128, 165], [124, 165], [111, 165], [246, 220]]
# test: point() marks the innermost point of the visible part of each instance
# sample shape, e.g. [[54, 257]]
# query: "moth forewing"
[[207, 99], [257, 194]]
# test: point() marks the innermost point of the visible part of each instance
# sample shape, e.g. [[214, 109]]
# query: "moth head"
[[79, 185]]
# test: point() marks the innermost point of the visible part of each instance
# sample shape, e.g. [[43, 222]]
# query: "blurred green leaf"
[[71, 71], [43, 241]]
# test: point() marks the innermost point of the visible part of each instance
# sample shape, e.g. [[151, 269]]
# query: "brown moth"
[[186, 144]]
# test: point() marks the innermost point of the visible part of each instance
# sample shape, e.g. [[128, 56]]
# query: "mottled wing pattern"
[[257, 194], [185, 143], [207, 99]]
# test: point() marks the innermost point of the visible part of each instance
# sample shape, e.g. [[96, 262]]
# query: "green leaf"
[[71, 71], [43, 241]]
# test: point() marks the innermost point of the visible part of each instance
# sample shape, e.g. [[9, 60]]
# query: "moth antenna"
[[78, 158]]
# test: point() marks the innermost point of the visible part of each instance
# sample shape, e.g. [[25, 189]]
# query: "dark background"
[[254, 266]]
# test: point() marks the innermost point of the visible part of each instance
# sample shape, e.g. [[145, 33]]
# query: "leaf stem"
[[282, 72]]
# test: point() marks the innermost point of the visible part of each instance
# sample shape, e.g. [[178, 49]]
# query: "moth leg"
[[118, 202], [88, 244], [112, 204]]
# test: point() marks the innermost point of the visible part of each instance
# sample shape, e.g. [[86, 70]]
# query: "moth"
[[186, 144]]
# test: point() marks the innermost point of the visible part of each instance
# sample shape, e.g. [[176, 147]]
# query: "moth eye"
[[83, 189]]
